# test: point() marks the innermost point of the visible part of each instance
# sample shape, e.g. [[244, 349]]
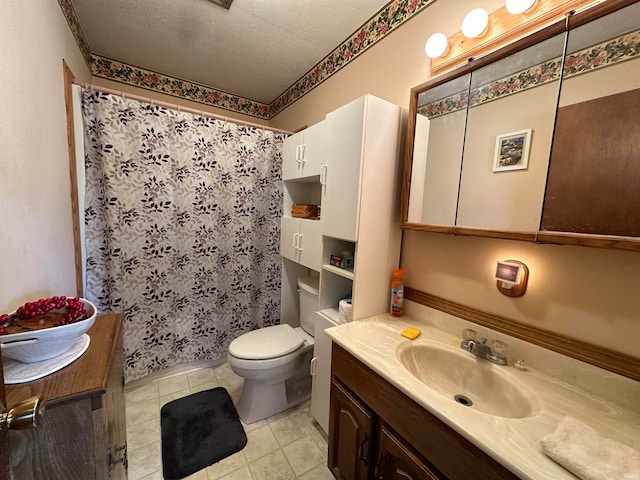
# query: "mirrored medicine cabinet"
[[537, 141]]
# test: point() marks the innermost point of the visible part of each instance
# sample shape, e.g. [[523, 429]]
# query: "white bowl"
[[39, 345]]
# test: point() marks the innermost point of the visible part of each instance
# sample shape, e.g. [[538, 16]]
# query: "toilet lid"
[[268, 342]]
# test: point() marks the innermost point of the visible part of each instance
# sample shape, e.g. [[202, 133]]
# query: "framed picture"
[[512, 151]]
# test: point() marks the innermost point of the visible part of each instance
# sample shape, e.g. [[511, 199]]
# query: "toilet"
[[274, 361]]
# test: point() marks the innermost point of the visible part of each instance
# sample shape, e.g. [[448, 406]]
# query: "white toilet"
[[274, 361]]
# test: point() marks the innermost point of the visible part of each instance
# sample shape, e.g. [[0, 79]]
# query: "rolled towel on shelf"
[[588, 454]]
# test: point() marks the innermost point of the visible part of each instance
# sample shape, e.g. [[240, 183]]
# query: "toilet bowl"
[[274, 361]]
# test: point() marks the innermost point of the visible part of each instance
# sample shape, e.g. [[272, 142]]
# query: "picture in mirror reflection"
[[512, 151]]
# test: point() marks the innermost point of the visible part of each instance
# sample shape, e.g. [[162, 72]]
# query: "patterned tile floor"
[[286, 446]]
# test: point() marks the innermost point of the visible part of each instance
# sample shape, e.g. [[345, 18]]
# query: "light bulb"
[[437, 45], [475, 23], [519, 6]]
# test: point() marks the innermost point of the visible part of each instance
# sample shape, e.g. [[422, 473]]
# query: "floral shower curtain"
[[182, 228]]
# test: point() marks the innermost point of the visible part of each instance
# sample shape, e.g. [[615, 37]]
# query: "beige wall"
[[587, 293], [36, 243]]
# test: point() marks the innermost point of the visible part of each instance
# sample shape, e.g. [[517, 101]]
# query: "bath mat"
[[197, 431]]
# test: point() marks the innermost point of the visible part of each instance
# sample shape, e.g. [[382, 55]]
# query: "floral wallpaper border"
[[390, 17], [610, 52], [139, 77], [381, 24], [72, 19]]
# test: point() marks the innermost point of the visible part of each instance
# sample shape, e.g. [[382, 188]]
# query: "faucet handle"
[[469, 334], [499, 348]]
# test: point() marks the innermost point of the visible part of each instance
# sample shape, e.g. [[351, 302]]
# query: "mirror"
[[512, 106], [546, 154], [437, 152], [594, 175]]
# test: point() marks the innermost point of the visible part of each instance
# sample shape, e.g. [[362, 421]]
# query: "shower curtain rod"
[[175, 106]]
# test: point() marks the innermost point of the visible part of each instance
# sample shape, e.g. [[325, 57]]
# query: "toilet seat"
[[266, 343]]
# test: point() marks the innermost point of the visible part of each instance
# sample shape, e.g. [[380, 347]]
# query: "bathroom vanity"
[[82, 434], [394, 413], [411, 443]]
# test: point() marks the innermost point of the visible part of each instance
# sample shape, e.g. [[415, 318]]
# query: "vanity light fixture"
[[475, 23], [512, 277], [515, 7], [483, 33], [437, 45]]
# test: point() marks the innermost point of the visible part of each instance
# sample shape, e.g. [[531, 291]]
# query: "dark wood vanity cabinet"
[[395, 460], [351, 429], [82, 434], [377, 432], [352, 453]]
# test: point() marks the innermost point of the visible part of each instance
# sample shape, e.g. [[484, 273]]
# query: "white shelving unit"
[[350, 165]]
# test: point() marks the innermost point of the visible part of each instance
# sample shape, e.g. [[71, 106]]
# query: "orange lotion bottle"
[[397, 293]]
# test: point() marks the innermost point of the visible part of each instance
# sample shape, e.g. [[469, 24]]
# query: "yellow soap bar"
[[411, 333]]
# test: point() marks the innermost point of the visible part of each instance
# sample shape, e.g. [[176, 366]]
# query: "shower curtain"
[[182, 225]]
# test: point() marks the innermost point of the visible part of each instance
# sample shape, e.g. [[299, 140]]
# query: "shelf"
[[343, 272], [331, 313]]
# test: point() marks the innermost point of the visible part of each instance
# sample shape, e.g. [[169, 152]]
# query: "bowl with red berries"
[[44, 329]]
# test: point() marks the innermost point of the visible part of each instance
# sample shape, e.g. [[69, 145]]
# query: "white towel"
[[589, 455]]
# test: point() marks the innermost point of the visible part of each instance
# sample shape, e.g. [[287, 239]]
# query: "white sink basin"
[[466, 379]]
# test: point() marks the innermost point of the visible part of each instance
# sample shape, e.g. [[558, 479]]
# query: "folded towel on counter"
[[588, 454]]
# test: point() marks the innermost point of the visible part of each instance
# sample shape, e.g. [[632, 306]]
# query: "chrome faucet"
[[496, 353]]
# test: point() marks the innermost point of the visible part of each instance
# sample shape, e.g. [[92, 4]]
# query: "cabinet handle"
[[298, 153], [303, 152], [323, 175], [312, 366], [377, 472], [300, 235], [295, 241], [361, 451]]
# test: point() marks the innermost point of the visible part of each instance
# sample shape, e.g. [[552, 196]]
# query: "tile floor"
[[287, 446]]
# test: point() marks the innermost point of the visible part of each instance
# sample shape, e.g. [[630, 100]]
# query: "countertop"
[[514, 442], [85, 377]]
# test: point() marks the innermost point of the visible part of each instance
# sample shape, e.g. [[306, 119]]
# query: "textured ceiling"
[[256, 49]]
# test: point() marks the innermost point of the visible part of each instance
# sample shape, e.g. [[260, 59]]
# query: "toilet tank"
[[308, 296]]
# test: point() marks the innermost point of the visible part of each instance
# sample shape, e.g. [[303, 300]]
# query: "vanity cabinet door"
[[395, 460], [350, 436]]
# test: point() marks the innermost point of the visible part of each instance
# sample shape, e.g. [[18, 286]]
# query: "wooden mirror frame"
[[562, 238]]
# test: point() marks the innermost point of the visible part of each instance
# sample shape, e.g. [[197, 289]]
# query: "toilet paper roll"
[[344, 311]]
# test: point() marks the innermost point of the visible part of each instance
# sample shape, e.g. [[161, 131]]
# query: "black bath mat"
[[197, 431]]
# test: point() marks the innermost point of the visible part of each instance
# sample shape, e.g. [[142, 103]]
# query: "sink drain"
[[462, 400]]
